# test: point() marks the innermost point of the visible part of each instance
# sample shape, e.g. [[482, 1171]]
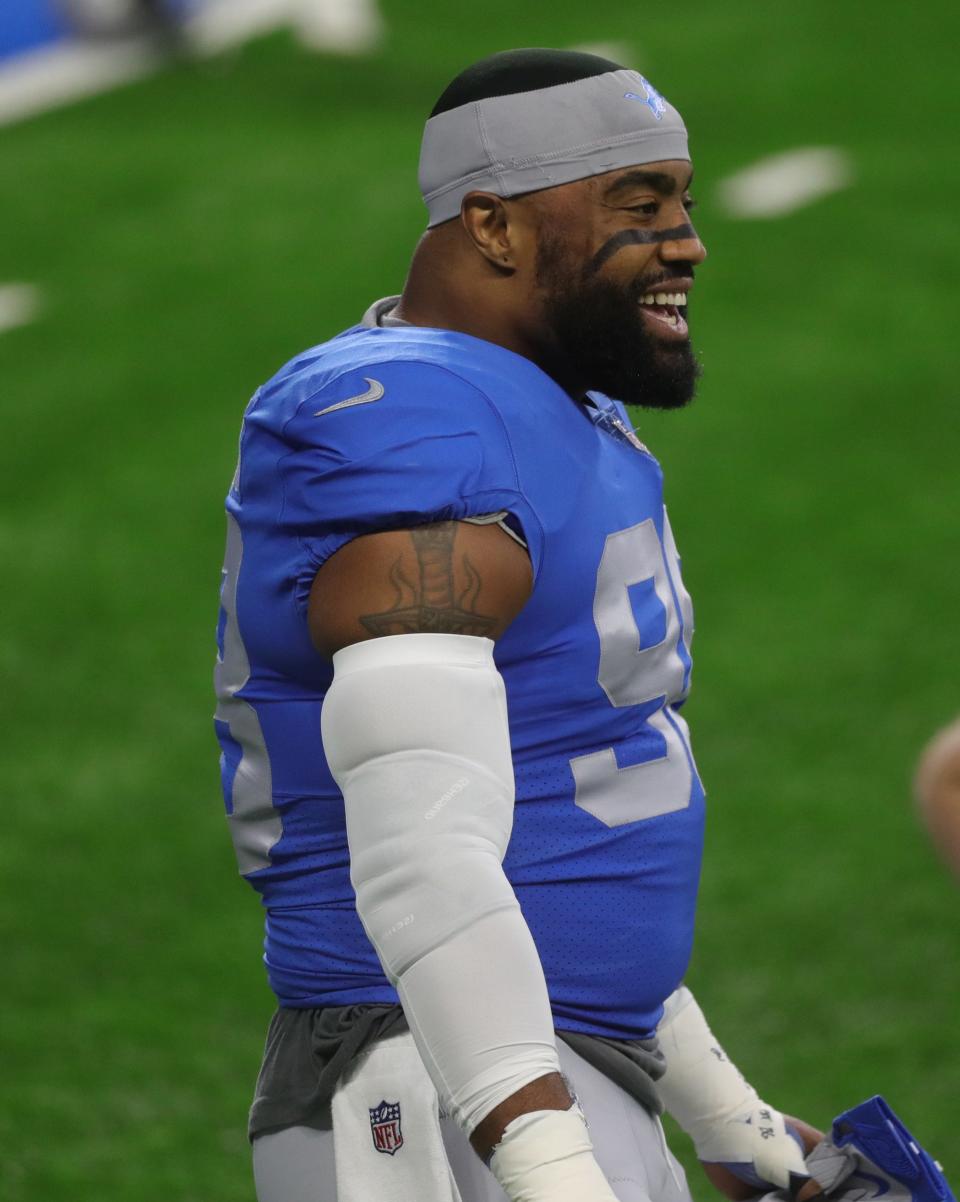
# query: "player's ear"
[[486, 220]]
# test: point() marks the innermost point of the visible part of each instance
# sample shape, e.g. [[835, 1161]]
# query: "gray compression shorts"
[[307, 1050]]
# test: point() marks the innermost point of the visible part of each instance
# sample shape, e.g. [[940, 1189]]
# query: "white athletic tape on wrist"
[[708, 1096], [415, 732], [547, 1156]]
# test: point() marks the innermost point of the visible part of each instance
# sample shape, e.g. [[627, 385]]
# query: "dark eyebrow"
[[659, 181]]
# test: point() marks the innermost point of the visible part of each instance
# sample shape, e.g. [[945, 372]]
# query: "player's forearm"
[[705, 1092], [546, 1093], [478, 1009]]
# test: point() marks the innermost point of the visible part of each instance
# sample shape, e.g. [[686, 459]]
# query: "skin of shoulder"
[[440, 578]]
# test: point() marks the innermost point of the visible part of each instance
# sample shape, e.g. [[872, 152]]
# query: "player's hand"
[[738, 1190]]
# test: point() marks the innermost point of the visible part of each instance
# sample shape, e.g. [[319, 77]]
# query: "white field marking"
[[335, 26], [19, 305], [339, 26], [219, 24], [782, 183], [59, 74], [67, 71]]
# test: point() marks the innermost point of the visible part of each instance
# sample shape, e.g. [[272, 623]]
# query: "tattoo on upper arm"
[[432, 604]]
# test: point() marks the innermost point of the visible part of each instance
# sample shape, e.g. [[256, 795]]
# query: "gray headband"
[[526, 141]]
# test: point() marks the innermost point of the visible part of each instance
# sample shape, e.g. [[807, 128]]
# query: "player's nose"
[[686, 246]]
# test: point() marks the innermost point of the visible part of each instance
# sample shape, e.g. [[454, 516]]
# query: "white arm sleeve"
[[415, 732], [710, 1099]]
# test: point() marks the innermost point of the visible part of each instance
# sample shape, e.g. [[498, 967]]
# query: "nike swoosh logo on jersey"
[[373, 393]]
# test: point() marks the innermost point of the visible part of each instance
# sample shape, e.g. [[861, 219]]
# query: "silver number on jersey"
[[633, 675], [254, 823]]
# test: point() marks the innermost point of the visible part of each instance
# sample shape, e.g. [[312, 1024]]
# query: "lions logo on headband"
[[654, 101]]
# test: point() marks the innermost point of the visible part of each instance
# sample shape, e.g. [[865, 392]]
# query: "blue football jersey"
[[388, 428]]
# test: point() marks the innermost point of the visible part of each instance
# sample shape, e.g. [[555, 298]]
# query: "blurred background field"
[[189, 233]]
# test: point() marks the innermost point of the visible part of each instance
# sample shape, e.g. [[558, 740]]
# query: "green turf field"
[[194, 231]]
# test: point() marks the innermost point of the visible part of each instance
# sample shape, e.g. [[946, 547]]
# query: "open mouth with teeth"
[[667, 309]]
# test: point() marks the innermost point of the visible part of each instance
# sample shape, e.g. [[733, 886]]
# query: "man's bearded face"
[[599, 325]]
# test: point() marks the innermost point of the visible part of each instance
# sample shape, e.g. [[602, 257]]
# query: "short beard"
[[603, 338]]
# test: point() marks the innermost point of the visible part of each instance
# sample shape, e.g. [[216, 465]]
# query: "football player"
[[454, 647]]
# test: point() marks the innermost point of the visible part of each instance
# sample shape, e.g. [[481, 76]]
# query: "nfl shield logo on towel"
[[385, 1127]]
